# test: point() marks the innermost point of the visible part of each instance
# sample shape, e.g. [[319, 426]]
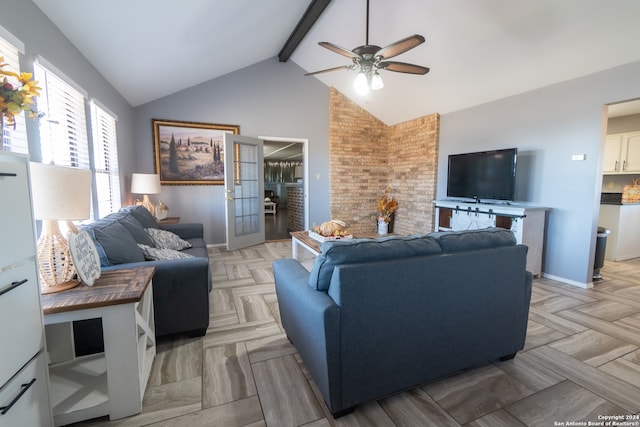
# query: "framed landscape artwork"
[[190, 153]]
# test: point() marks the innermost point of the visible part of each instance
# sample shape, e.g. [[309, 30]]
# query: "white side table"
[[123, 299], [270, 208]]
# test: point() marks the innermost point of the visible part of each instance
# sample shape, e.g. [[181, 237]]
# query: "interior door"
[[244, 190]]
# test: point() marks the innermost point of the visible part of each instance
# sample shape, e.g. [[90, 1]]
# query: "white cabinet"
[[624, 223], [526, 222], [622, 153], [23, 375]]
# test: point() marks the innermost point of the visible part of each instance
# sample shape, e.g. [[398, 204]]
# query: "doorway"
[[285, 185]]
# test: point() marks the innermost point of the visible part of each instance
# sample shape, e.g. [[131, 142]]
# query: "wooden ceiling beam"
[[311, 15]]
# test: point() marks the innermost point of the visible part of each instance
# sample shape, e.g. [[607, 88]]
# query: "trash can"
[[601, 246]]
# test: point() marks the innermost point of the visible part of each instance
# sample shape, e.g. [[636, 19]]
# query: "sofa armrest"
[[185, 231], [311, 320]]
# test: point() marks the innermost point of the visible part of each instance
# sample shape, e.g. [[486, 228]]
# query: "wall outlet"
[[578, 157], [611, 185]]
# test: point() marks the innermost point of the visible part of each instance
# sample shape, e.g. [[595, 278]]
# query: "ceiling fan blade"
[[401, 46], [403, 67], [344, 67], [340, 50]]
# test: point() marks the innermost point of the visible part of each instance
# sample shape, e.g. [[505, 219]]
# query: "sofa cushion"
[[115, 242], [341, 252], [151, 253], [164, 239], [142, 215], [469, 240]]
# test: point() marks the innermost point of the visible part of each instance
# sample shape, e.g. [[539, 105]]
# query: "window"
[[105, 160], [64, 138], [14, 140], [63, 129]]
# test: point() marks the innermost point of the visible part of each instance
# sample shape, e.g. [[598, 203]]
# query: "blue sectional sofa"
[[378, 316], [180, 286]]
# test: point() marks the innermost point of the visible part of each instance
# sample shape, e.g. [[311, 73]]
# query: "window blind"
[[14, 140], [105, 160], [63, 129]]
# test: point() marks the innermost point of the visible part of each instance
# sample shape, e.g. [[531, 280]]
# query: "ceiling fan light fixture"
[[361, 83], [376, 81]]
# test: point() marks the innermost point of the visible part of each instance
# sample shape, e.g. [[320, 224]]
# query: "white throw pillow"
[[164, 239], [152, 254]]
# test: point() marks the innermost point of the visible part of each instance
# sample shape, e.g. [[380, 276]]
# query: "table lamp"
[[145, 184], [59, 194]]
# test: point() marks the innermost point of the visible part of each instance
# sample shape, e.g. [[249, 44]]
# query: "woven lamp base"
[[55, 265], [44, 290]]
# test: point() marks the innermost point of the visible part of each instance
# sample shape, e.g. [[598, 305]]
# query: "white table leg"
[[121, 354], [294, 248]]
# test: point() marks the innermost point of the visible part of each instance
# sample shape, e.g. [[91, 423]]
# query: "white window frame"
[[63, 129], [105, 159], [13, 139]]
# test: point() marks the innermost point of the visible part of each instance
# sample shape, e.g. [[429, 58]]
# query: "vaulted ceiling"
[[478, 50]]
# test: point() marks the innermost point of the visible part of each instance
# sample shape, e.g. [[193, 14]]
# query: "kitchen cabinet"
[[526, 222], [624, 223], [622, 153], [23, 372]]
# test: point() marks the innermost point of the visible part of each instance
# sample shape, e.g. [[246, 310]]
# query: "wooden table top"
[[112, 288]]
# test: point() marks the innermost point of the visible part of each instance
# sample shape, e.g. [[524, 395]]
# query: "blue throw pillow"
[[354, 251], [132, 225], [115, 242], [142, 215]]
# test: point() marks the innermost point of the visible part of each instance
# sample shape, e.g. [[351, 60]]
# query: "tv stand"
[[526, 222]]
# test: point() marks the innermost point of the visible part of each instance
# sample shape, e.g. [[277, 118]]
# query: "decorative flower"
[[14, 99], [387, 205]]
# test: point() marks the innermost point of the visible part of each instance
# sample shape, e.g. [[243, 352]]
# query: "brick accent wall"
[[295, 207], [366, 155]]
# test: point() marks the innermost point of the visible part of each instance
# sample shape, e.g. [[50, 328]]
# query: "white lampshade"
[[145, 183], [60, 193]]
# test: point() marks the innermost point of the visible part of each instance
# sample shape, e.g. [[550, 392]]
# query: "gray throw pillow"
[[164, 239], [152, 254]]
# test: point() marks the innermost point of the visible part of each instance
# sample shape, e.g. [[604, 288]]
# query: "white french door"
[[244, 190]]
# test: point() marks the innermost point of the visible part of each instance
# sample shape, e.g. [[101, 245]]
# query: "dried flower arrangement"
[[387, 205]]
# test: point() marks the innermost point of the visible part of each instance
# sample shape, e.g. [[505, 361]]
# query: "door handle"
[[624, 165]]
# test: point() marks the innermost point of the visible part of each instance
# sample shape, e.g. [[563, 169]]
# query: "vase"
[[391, 222], [383, 227]]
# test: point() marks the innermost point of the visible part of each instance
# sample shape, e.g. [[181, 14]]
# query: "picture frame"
[[189, 153]]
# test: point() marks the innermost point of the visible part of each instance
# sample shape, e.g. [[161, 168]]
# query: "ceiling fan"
[[369, 59]]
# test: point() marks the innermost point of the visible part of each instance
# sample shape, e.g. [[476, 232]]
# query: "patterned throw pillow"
[[164, 239], [152, 254]]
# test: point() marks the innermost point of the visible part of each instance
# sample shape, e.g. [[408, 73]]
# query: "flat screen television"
[[483, 176]]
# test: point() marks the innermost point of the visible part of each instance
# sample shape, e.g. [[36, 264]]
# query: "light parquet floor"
[[581, 362]]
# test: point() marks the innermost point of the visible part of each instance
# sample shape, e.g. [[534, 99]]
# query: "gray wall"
[[266, 99], [25, 21], [548, 126]]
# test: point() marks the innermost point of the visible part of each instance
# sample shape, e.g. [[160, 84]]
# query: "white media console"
[[526, 222]]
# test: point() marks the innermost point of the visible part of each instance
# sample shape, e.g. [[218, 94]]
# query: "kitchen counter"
[[623, 220]]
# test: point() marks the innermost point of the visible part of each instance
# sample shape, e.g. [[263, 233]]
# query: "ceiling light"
[[362, 84], [376, 82]]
